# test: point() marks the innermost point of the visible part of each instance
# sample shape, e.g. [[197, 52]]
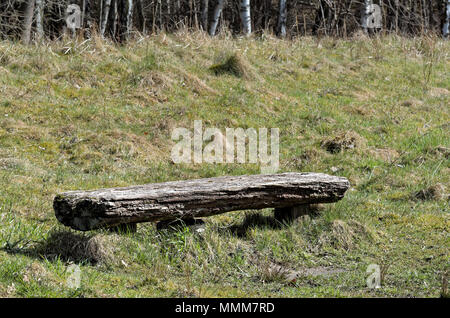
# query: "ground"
[[92, 114]]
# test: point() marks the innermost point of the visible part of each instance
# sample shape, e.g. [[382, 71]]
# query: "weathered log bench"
[[88, 210]]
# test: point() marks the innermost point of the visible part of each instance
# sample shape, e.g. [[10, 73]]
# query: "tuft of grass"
[[78, 248], [435, 192], [235, 64], [343, 141], [345, 235]]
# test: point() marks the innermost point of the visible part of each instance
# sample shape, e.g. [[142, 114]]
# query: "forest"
[[118, 19]]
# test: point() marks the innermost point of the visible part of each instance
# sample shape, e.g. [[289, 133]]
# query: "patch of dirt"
[[35, 272], [385, 154], [270, 271], [308, 156], [438, 92], [11, 124], [196, 84], [412, 103], [13, 163], [64, 131], [344, 141], [435, 192], [4, 70], [363, 95], [360, 110], [155, 83], [441, 151], [156, 79], [293, 275]]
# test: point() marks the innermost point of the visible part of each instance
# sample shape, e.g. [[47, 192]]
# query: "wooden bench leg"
[[179, 223], [291, 213], [124, 228]]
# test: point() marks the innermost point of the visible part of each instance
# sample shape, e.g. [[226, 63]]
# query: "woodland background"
[[117, 19]]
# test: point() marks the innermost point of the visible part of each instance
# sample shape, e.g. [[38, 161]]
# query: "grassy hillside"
[[85, 115]]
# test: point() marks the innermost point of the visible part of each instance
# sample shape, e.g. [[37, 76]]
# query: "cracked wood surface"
[[88, 210]]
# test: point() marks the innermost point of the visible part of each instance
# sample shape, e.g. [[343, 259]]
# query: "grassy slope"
[[102, 116]]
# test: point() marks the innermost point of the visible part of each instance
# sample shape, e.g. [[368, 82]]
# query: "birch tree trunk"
[[282, 17], [205, 8], [115, 17], [105, 17], [130, 17], [365, 15], [215, 21], [39, 25], [446, 27], [246, 21], [83, 13], [28, 21]]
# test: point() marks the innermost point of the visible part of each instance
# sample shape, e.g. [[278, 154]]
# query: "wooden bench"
[[88, 210]]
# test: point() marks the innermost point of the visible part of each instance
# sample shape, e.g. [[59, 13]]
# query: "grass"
[[86, 115]]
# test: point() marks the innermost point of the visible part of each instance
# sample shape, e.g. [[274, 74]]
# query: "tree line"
[[30, 20]]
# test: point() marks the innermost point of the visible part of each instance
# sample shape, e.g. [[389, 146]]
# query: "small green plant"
[[429, 54]]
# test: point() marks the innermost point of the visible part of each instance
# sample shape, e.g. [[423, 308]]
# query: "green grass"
[[88, 115]]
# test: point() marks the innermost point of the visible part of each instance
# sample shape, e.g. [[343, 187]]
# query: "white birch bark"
[[215, 21], [39, 25], [246, 21], [446, 27], [282, 16], [365, 14], [130, 17], [83, 13], [116, 18], [105, 17]]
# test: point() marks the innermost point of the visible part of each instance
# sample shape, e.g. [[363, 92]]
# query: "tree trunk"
[[87, 210], [446, 27], [282, 17], [216, 15], [141, 16], [88, 18], [365, 15], [246, 21], [39, 25], [123, 19], [105, 17], [205, 4], [28, 21], [115, 19], [130, 18], [83, 12]]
